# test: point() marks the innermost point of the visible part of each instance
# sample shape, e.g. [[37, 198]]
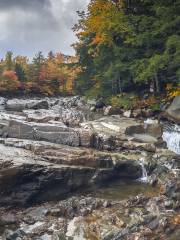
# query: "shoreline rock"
[[42, 160]]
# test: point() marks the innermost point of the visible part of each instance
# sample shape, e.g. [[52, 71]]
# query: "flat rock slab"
[[115, 133], [144, 138], [70, 116], [111, 125], [50, 171], [26, 177], [55, 132], [22, 104]]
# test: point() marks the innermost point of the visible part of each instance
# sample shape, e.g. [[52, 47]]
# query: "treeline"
[[49, 75], [127, 45]]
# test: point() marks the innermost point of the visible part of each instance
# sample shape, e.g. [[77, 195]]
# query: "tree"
[[124, 44], [9, 82], [9, 65], [20, 73], [38, 61]]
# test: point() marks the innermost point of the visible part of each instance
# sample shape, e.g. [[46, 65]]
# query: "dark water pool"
[[120, 190]]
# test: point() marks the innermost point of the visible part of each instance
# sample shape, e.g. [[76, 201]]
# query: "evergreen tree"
[[20, 73], [124, 45], [9, 65], [38, 61]]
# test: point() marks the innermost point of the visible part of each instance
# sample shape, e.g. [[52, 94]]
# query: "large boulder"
[[173, 112], [146, 133], [117, 133], [41, 115], [154, 130], [109, 110], [55, 132], [22, 104]]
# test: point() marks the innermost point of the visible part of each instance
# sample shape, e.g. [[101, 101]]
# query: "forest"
[[49, 75], [129, 46]]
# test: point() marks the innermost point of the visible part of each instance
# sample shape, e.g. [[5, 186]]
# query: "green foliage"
[[124, 45], [9, 61], [123, 101], [156, 106], [20, 73]]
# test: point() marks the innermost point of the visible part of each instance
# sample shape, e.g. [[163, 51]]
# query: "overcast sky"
[[29, 26]]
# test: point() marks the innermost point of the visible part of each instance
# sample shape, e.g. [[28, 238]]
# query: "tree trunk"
[[119, 85], [157, 83], [112, 85]]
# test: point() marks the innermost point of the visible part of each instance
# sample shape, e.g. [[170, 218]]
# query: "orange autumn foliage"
[[9, 81], [51, 75]]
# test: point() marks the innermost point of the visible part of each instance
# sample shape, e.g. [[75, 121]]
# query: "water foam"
[[171, 136], [144, 177]]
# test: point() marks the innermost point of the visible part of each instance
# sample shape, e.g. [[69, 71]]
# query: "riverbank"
[[58, 157]]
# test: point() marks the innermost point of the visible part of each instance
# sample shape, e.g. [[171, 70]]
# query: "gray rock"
[[137, 113], [146, 133], [2, 100], [147, 113], [2, 103], [8, 219], [55, 132], [154, 130], [109, 110], [19, 104], [173, 112], [168, 204], [154, 224], [52, 171], [127, 114]]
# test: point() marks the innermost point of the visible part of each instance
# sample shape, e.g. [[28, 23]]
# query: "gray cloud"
[[23, 4], [29, 26]]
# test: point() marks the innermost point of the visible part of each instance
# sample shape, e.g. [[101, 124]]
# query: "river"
[[63, 165]]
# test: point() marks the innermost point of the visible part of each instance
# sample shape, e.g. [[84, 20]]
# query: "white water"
[[151, 121], [171, 136], [144, 177]]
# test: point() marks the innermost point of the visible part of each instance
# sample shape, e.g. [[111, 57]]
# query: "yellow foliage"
[[172, 91], [99, 38], [99, 21]]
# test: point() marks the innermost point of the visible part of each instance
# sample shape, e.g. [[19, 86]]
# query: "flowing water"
[[144, 177], [171, 136]]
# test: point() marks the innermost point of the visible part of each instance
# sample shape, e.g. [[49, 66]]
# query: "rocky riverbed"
[[69, 169]]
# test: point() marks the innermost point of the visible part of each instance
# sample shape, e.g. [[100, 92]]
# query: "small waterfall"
[[171, 136], [144, 177]]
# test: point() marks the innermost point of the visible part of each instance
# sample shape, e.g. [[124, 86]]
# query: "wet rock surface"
[[56, 156]]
